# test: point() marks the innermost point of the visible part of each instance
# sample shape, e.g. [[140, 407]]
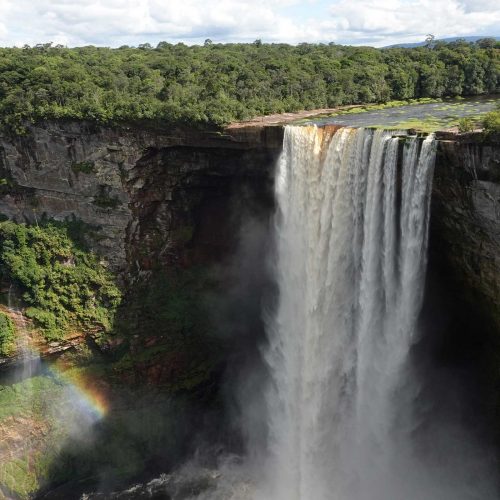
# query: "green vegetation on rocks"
[[168, 322], [62, 285], [466, 124], [47, 435], [104, 200], [216, 84], [84, 167], [27, 404], [491, 122], [7, 335]]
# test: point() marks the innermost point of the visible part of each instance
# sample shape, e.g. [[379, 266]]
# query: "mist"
[[431, 440]]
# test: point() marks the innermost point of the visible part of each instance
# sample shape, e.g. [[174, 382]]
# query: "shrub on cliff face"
[[491, 122], [7, 335], [466, 124], [63, 286]]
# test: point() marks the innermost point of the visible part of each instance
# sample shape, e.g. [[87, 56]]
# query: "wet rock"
[[465, 219]]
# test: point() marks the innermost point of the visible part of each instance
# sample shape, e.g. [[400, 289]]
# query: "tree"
[[486, 43], [491, 122], [466, 124], [429, 41], [215, 83]]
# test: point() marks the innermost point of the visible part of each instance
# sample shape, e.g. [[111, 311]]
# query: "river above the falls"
[[427, 116]]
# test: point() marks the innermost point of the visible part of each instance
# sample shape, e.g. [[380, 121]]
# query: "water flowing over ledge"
[[351, 266]]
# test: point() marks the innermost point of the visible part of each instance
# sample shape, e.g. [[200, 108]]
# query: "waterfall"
[[351, 229], [29, 359]]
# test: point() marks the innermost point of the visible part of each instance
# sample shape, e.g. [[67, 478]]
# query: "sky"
[[114, 23]]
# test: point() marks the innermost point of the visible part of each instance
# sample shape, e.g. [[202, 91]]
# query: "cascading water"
[[29, 359], [351, 259]]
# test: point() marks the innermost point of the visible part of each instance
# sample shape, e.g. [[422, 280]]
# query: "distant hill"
[[448, 40]]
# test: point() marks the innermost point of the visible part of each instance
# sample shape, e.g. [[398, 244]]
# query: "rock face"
[[138, 190], [150, 200], [465, 224], [168, 197]]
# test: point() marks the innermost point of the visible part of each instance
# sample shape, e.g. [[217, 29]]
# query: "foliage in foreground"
[[216, 83], [63, 286]]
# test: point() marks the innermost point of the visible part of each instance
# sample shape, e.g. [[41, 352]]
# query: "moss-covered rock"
[[64, 286], [168, 331], [7, 335]]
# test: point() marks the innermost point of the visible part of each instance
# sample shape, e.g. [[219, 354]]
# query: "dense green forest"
[[216, 84]]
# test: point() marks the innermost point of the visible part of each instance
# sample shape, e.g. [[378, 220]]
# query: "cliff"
[[465, 225], [156, 197], [144, 200], [152, 197], [164, 210], [133, 187]]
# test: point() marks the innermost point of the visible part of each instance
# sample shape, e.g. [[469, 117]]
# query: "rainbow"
[[88, 395]]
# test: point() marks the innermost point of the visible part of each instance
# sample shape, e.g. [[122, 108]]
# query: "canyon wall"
[[141, 193], [465, 224], [160, 198]]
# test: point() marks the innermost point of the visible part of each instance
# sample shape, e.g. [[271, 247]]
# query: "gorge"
[[196, 208]]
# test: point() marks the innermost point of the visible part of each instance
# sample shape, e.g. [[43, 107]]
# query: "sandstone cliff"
[[465, 225], [157, 198], [134, 187]]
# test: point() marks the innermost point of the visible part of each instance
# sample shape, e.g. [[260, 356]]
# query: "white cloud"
[[480, 5], [117, 22], [109, 21], [444, 18]]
